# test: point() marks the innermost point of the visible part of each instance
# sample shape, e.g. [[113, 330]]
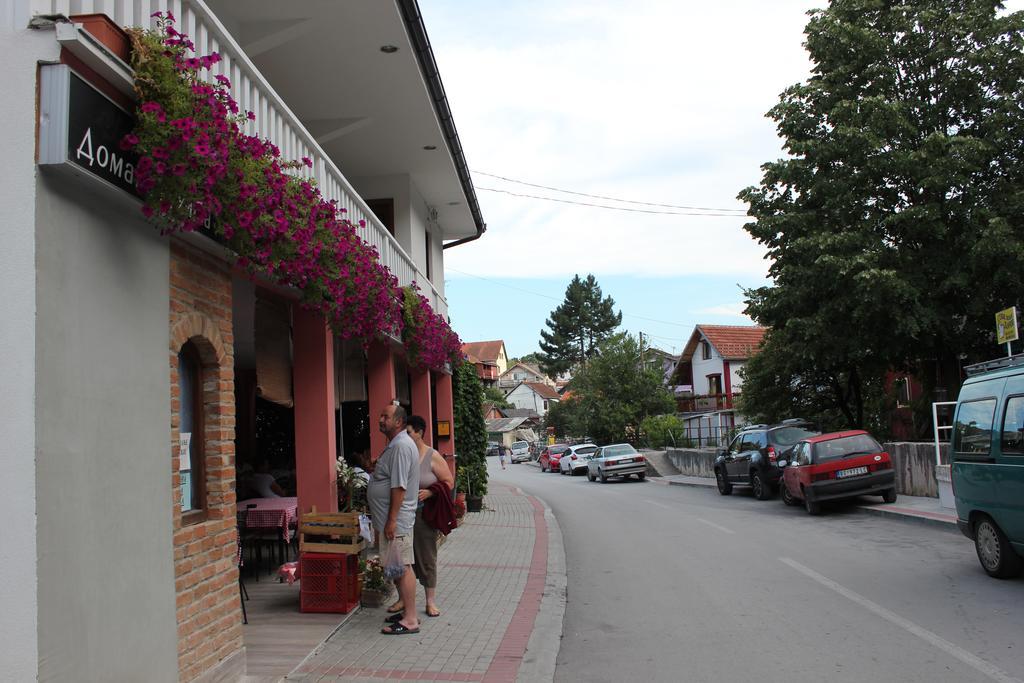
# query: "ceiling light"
[[429, 147], [388, 49], [454, 203]]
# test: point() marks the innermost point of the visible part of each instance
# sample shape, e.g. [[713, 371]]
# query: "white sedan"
[[574, 460], [616, 460]]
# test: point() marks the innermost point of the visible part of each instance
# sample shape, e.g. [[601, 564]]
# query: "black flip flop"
[[394, 618], [395, 611], [432, 615], [398, 629]]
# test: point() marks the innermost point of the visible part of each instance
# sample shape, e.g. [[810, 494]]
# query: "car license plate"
[[852, 472]]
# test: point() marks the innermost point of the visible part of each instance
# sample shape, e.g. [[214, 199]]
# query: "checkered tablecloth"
[[271, 513]]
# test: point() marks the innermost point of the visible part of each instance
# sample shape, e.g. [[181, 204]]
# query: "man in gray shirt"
[[392, 495]]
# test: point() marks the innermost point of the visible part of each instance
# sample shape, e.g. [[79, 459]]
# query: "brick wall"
[[206, 577]]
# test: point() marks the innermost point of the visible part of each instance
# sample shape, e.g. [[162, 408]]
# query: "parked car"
[[616, 460], [751, 458], [550, 455], [520, 451], [835, 466], [493, 449], [987, 463], [574, 459]]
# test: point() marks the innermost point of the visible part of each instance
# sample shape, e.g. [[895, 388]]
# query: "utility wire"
[[600, 196], [606, 206], [553, 298]]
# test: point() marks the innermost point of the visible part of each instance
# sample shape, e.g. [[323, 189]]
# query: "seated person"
[[262, 482]]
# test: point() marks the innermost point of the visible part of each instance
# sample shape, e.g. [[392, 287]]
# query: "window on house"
[[901, 387], [430, 275], [545, 404], [714, 384], [190, 430], [705, 348]]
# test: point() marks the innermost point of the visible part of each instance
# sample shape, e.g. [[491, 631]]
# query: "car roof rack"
[[997, 364], [794, 421], [759, 426]]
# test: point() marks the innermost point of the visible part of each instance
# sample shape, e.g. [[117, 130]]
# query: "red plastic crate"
[[328, 582]]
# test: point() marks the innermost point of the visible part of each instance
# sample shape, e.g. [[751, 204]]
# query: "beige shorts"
[[405, 543]]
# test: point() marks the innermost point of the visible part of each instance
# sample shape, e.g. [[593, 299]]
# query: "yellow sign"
[[551, 440], [1006, 326], [444, 428]]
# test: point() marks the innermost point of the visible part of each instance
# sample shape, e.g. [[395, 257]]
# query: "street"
[[672, 583]]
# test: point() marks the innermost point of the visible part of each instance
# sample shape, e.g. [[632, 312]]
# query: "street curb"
[[692, 484], [910, 518], [542, 648]]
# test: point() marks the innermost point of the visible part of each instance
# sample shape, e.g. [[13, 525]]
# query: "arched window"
[[191, 429]]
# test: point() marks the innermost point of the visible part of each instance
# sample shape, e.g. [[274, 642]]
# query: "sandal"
[[396, 608], [398, 629], [394, 618], [433, 612]]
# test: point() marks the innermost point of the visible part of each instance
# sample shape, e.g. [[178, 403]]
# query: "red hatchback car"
[[836, 466], [550, 456]]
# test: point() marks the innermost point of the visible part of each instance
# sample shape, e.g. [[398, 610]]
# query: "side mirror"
[[722, 453]]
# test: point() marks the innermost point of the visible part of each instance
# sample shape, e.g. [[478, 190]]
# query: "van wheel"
[[724, 487], [995, 553], [889, 496]]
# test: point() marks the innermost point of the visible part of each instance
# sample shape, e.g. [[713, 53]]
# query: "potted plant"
[[351, 488], [376, 589], [472, 479]]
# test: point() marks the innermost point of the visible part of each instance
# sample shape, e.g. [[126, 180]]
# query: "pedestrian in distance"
[[436, 483], [501, 456], [393, 496]]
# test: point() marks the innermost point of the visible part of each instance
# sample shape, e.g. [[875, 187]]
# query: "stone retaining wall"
[[914, 463]]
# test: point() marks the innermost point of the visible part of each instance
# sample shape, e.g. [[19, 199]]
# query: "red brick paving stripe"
[[400, 675], [503, 526], [485, 566], [505, 664]]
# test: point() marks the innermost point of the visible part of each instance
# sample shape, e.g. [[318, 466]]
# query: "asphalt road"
[[671, 583]]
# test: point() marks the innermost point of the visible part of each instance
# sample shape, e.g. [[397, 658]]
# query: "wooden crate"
[[334, 532]]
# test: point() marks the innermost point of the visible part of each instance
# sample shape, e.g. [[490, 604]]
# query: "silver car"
[[520, 451], [616, 460], [574, 460]]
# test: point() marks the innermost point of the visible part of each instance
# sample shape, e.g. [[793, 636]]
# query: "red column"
[[728, 383], [313, 376], [380, 373], [421, 401], [445, 411]]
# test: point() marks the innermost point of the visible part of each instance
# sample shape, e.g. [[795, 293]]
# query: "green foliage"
[[470, 433], [895, 225], [612, 394], [660, 431], [532, 358], [497, 397], [575, 329]]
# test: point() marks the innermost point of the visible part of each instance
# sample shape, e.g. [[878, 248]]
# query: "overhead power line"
[[607, 198], [554, 298], [605, 206]]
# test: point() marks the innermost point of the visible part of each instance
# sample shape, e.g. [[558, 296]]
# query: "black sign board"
[[80, 126]]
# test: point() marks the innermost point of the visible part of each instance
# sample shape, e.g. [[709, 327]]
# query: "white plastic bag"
[[365, 528], [392, 560]]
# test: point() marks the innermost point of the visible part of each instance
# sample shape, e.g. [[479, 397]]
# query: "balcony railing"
[[274, 120], [706, 404]]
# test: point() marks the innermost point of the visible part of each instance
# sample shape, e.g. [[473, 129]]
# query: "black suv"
[[752, 456]]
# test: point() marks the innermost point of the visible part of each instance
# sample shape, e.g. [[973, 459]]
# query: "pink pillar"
[[380, 371], [445, 411], [313, 377], [421, 401]]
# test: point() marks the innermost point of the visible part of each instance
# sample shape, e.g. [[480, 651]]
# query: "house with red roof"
[[535, 396], [710, 365], [489, 357]]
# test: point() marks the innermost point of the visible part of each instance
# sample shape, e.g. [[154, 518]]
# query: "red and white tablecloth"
[[270, 513]]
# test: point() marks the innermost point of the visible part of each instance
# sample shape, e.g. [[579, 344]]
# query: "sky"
[[661, 102]]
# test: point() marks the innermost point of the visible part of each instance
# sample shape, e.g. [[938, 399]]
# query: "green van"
[[987, 457]]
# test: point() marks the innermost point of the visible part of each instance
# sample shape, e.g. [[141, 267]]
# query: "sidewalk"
[[916, 509], [501, 590]]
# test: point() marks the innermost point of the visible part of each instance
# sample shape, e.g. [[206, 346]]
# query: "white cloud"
[[654, 101], [727, 310]]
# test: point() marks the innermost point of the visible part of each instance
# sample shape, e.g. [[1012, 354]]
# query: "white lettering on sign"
[[102, 156], [86, 145]]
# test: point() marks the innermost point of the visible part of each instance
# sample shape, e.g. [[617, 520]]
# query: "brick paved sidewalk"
[[501, 590]]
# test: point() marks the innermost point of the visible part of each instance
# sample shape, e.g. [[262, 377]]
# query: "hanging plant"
[[429, 341], [198, 169]]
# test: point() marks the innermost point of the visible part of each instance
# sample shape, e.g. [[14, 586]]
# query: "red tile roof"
[[543, 390], [483, 352], [733, 342]]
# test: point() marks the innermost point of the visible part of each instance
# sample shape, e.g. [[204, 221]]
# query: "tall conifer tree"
[[575, 329]]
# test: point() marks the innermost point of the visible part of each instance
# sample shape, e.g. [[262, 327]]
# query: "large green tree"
[[612, 394], [894, 225], [575, 329], [470, 432]]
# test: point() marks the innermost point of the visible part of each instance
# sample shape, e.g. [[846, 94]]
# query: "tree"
[[894, 226], [532, 358], [575, 329], [470, 432], [612, 394], [497, 397]]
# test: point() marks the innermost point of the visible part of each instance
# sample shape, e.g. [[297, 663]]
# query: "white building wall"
[[734, 373], [20, 48], [702, 368], [525, 398]]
